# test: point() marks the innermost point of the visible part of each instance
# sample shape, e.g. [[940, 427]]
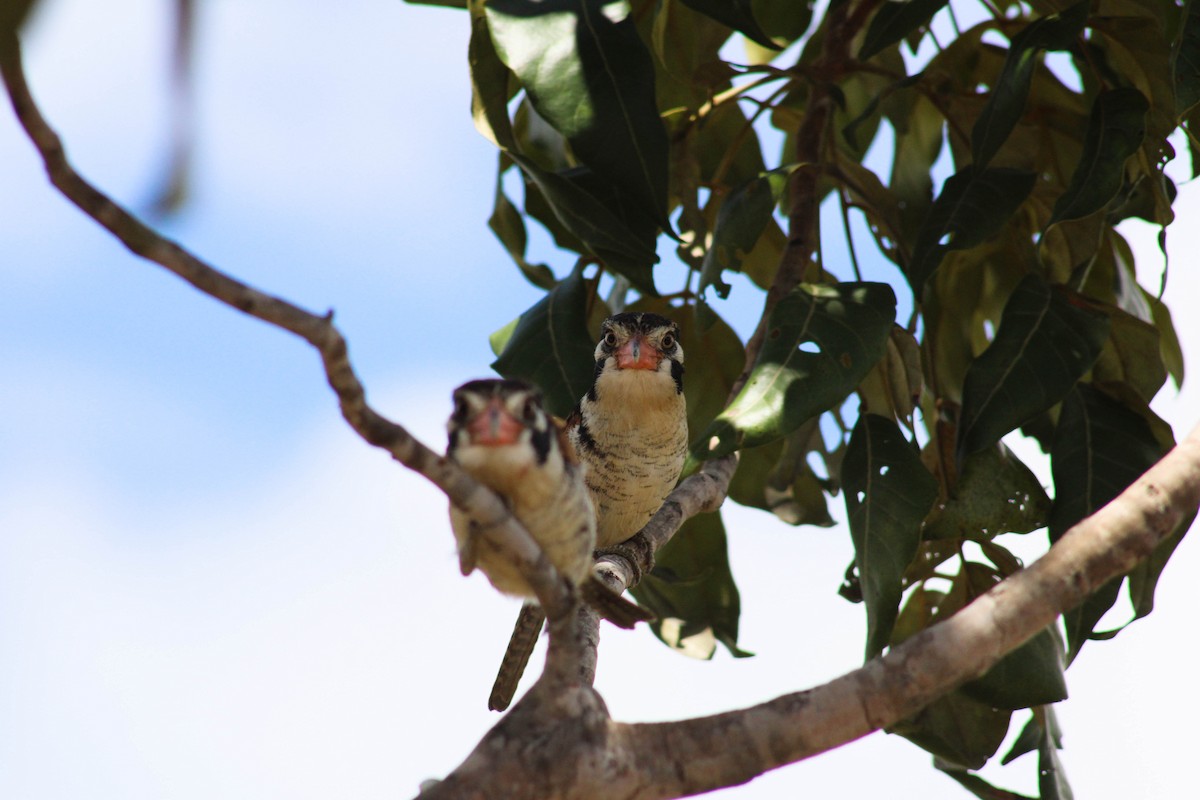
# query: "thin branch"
[[497, 524]]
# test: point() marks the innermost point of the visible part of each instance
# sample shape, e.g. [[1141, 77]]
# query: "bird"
[[502, 436], [630, 430]]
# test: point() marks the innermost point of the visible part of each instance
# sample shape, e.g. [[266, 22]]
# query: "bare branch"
[[497, 523]]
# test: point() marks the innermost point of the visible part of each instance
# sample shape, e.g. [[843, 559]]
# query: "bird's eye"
[[610, 339], [530, 409], [668, 341]]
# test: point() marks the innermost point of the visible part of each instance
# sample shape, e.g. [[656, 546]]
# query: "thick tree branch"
[[499, 526], [675, 759]]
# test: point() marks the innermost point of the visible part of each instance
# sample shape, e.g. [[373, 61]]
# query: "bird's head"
[[640, 342], [493, 413]]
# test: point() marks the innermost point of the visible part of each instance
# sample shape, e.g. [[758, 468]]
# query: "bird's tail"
[[520, 647], [612, 606]]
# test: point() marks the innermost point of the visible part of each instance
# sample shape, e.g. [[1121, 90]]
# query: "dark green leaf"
[[1185, 62], [13, 14], [1007, 101], [508, 225], [489, 83], [995, 494], [821, 341], [1115, 132], [551, 347], [693, 593], [444, 3], [893, 21], [973, 205], [888, 492], [737, 14], [1046, 341], [783, 20], [1052, 780], [957, 729], [977, 785], [1132, 355], [590, 220], [589, 75], [1143, 579], [743, 217], [1027, 740], [1100, 447]]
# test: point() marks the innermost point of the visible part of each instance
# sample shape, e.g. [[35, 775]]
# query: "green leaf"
[[737, 14], [551, 347], [995, 494], [589, 75], [692, 591], [1007, 101], [1046, 341], [974, 205], [1132, 355], [490, 83], [893, 21], [1185, 62], [13, 14], [957, 729], [888, 492], [1031, 675], [590, 220], [1143, 579], [1116, 128], [1100, 447], [742, 219], [509, 226], [1052, 780], [821, 341], [975, 784]]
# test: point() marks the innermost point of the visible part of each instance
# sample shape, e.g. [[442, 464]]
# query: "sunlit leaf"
[[1046, 341], [893, 21], [589, 75], [737, 14], [1115, 132], [973, 205], [692, 590], [1007, 101], [551, 347], [821, 341], [888, 493]]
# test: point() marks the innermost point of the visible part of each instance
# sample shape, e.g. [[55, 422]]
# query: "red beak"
[[638, 354], [494, 426]]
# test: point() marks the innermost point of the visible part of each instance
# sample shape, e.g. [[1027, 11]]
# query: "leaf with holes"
[[973, 205], [1007, 101], [821, 341], [1046, 341], [995, 494], [1101, 446], [551, 347], [1116, 128], [692, 591], [888, 493], [590, 76]]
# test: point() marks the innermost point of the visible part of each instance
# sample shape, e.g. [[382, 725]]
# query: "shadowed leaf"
[[589, 75], [1132, 355], [742, 219], [736, 14], [893, 21], [1115, 132], [888, 493], [692, 591], [974, 205], [995, 494], [551, 347], [509, 226], [1046, 341], [1185, 62], [1008, 96], [1100, 447], [821, 342]]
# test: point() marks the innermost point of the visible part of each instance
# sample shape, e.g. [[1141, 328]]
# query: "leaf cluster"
[[989, 152]]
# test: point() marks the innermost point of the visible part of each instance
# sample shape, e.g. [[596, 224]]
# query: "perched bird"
[[630, 430], [502, 436]]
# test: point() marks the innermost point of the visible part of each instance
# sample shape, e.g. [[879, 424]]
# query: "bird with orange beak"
[[630, 431]]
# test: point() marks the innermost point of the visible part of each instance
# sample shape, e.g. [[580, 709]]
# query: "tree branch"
[[498, 525], [675, 759]]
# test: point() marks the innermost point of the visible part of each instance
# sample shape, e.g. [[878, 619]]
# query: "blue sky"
[[210, 587]]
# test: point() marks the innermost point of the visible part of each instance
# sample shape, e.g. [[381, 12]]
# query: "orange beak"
[[494, 426], [638, 354]]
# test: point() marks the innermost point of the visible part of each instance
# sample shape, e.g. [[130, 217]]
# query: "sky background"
[[210, 587]]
